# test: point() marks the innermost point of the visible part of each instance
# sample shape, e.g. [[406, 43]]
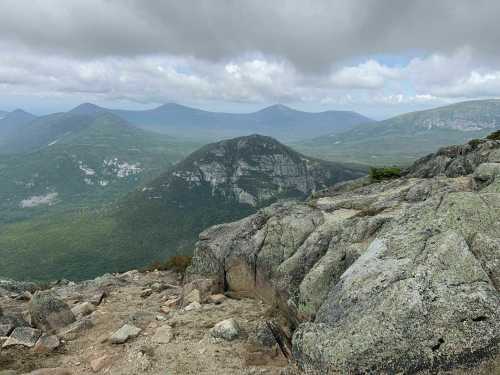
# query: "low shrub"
[[475, 142], [495, 136], [177, 263], [385, 173]]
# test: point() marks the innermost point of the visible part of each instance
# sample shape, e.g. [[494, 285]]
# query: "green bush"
[[495, 136], [475, 142], [385, 173], [177, 263]]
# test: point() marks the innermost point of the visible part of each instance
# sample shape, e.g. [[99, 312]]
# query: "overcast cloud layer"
[[376, 56]]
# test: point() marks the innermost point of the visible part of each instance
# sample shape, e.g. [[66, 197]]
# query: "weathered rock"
[[18, 287], [24, 336], [199, 290], [193, 296], [46, 344], [216, 299], [264, 336], [100, 363], [158, 287], [24, 296], [9, 322], [192, 306], [163, 335], [146, 293], [172, 303], [83, 309], [125, 333], [395, 276], [227, 330], [97, 297], [49, 313], [72, 331], [165, 310]]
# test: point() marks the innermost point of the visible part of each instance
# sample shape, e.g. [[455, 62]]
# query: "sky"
[[377, 57]]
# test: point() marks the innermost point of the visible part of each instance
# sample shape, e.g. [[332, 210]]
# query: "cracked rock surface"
[[399, 276]]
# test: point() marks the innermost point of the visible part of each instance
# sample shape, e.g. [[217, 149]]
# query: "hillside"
[[103, 160], [397, 276], [11, 124], [220, 182], [403, 139], [278, 121]]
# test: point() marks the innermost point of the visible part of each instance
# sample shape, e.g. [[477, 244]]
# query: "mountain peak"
[[277, 108], [19, 114], [87, 109], [170, 106]]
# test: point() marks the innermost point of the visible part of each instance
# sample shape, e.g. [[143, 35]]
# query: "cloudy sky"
[[378, 57]]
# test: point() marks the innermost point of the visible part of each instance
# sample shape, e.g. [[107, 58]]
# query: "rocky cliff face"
[[251, 170], [399, 276]]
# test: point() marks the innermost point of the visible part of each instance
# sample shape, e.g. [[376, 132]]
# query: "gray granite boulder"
[[48, 312], [399, 276]]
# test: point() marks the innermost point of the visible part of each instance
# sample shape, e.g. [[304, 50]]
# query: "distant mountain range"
[[220, 182], [402, 139], [278, 121], [24, 133], [80, 161]]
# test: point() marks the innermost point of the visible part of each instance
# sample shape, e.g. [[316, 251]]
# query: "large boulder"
[[49, 313], [399, 276]]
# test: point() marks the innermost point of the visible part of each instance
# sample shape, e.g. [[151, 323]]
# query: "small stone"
[[24, 336], [161, 318], [146, 293], [227, 329], [83, 309], [165, 310], [100, 363], [192, 296], [192, 306], [216, 299], [163, 335], [158, 287], [123, 334], [46, 344], [172, 303]]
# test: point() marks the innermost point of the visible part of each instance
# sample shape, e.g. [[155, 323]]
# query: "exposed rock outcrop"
[[396, 276]]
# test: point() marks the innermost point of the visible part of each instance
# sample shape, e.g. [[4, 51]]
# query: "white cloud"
[[260, 79], [368, 75]]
